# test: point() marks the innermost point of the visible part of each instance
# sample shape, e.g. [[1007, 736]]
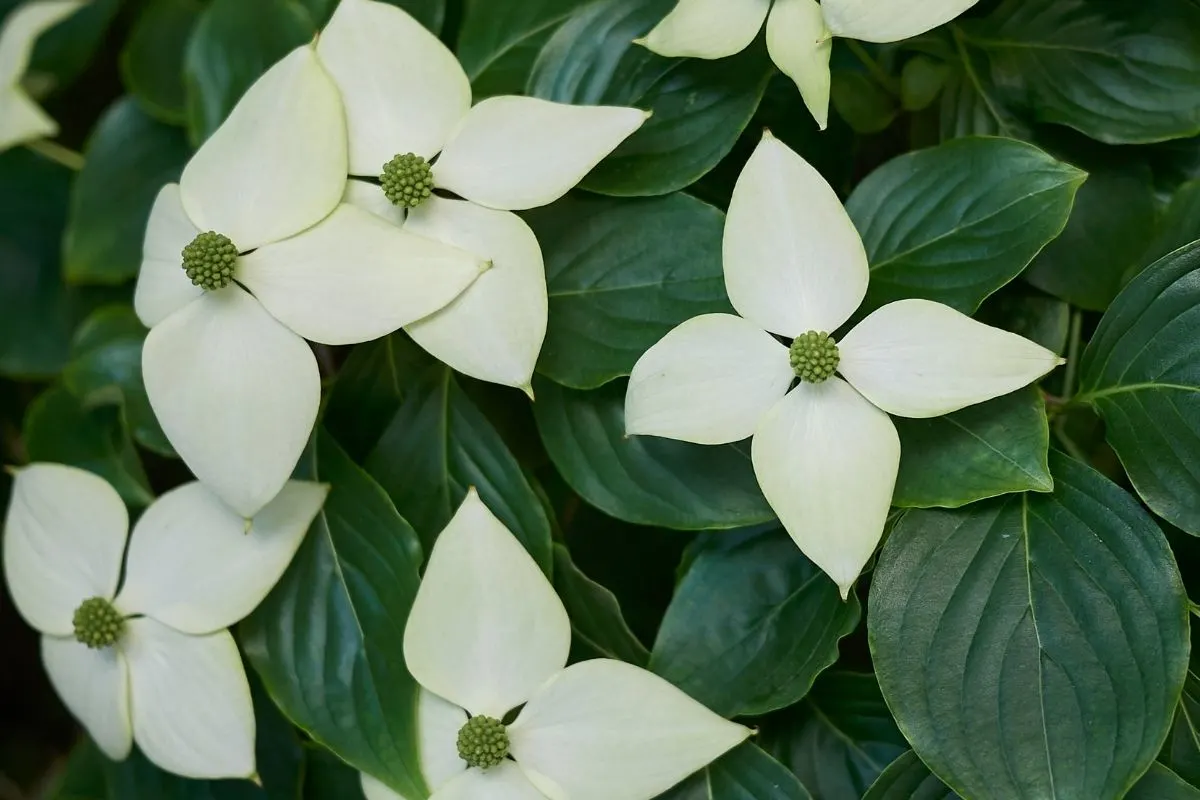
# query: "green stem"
[[1073, 343], [877, 72], [56, 152], [1067, 442]]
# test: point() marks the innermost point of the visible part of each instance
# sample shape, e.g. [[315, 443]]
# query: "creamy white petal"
[[94, 686], [403, 90], [494, 330], [793, 259], [22, 27], [521, 152], [355, 277], [438, 724], [486, 628], [192, 713], [21, 119], [370, 197], [607, 730], [708, 381], [917, 358], [826, 460], [503, 782], [162, 286], [875, 21], [236, 394], [801, 46], [277, 165], [194, 565], [63, 542], [707, 28]]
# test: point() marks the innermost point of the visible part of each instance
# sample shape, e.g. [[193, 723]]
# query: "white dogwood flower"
[[21, 120], [408, 101], [486, 635], [826, 454], [799, 32], [252, 253], [154, 661]]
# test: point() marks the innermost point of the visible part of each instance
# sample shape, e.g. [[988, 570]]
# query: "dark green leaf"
[[1120, 72], [327, 777], [971, 103], [1181, 751], [83, 778], [234, 43], [921, 81], [982, 451], [644, 479], [752, 624], [437, 446], [839, 738], [1160, 783], [1141, 371], [1180, 225], [700, 107], [61, 54], [956, 222], [327, 641], [1029, 313], [129, 158], [862, 102], [498, 42], [597, 625], [1035, 645], [621, 274], [152, 61], [744, 773], [907, 778], [58, 427]]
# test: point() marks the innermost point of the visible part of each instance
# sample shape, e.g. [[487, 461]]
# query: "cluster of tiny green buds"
[[483, 742], [97, 623], [814, 356], [209, 261], [407, 180]]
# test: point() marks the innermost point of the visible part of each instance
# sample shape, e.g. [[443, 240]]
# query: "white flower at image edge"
[[826, 454], [408, 101], [487, 634], [272, 257], [152, 662], [21, 120], [799, 32]]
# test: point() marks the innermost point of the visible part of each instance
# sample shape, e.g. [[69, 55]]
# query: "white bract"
[[21, 120], [826, 454], [799, 32], [154, 661], [487, 634], [227, 370], [407, 99]]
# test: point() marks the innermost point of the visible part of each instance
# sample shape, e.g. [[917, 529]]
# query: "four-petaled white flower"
[[826, 454], [21, 120], [408, 100], [799, 32], [272, 257], [152, 662], [486, 635]]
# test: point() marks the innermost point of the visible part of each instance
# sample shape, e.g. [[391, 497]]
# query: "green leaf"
[[430, 13], [58, 427], [839, 738], [1119, 72], [1160, 783], [498, 42], [862, 102], [907, 778], [234, 43], [326, 777], [1141, 371], [1181, 751], [129, 158], [152, 61], [921, 81], [700, 107], [1029, 313], [327, 640], [956, 222], [982, 451], [438, 445], [1180, 225], [621, 274], [62, 54], [84, 776], [644, 479], [598, 628], [751, 625], [971, 104], [744, 773], [1035, 645]]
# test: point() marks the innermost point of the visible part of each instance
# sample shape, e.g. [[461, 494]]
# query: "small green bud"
[[97, 623], [209, 261], [814, 356], [407, 180], [483, 742]]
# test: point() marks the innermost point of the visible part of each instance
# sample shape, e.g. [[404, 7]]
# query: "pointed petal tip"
[[255, 779], [527, 388], [641, 42], [767, 135], [844, 590]]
